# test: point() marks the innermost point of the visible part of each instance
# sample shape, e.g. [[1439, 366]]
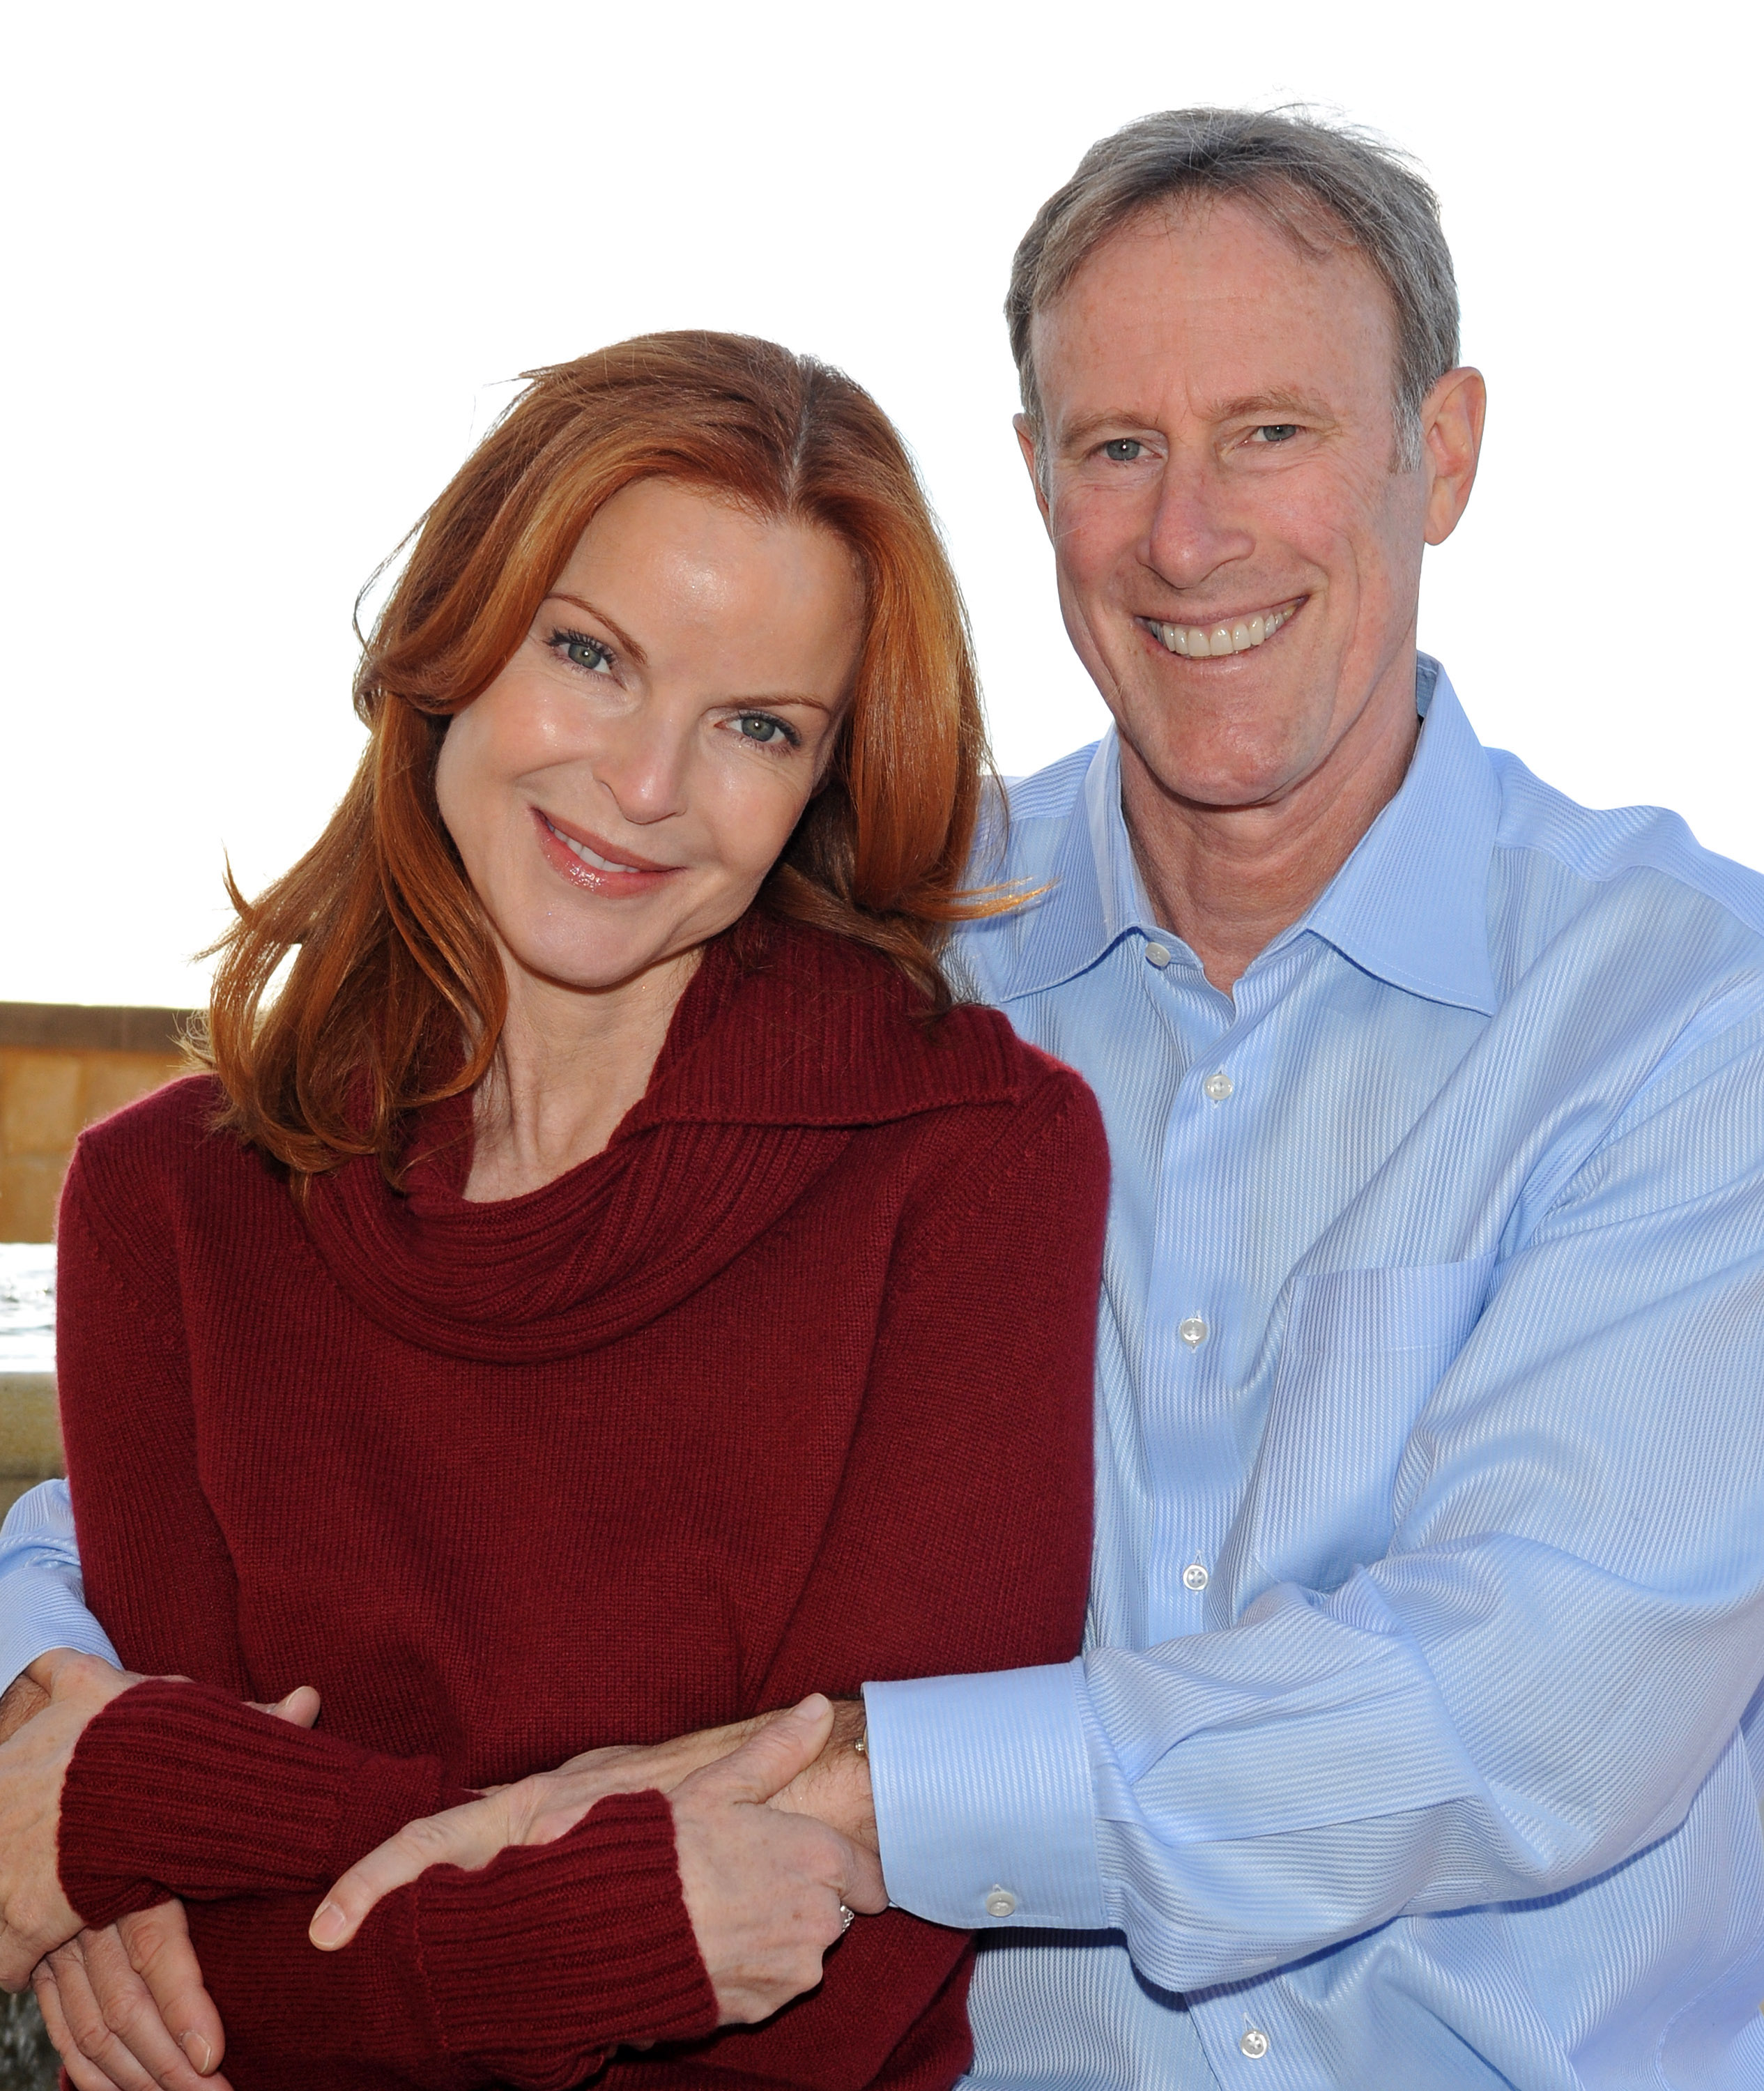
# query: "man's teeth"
[[1198, 641]]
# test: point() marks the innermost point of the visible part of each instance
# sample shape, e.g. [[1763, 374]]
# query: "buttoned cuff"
[[985, 1804]]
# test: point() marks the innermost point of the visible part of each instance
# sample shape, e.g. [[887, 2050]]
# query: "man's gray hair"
[[1322, 184]]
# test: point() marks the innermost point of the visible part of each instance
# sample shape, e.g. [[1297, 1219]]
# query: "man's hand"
[[531, 1811], [836, 1788], [22, 1698], [35, 1916], [766, 1889], [126, 2008]]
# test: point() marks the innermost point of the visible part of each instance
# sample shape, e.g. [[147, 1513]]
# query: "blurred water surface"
[[27, 1307]]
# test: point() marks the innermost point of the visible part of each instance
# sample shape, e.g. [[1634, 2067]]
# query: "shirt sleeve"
[[1528, 1685], [42, 1593]]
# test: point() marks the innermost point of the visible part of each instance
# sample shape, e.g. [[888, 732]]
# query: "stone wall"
[[61, 1067]]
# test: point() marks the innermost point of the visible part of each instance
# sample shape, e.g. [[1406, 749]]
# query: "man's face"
[[1221, 460]]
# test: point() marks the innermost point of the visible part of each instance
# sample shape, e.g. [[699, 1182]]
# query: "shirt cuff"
[[41, 1591], [986, 1807]]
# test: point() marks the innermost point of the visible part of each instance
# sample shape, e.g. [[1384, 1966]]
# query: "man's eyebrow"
[[623, 637], [1271, 404], [1075, 434]]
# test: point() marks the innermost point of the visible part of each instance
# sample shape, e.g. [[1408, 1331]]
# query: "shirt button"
[[1194, 1576], [1218, 1087], [1157, 955], [1254, 2043], [1000, 1902], [1193, 1331]]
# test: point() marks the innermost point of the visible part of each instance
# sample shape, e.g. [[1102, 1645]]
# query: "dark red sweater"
[[788, 1389]]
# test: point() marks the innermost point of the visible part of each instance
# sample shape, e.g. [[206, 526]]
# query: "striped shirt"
[[1417, 1740]]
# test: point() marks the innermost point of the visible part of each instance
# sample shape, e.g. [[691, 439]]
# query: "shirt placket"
[[1192, 1447]]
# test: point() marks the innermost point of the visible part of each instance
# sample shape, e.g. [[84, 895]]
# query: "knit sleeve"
[[177, 1788], [527, 1973]]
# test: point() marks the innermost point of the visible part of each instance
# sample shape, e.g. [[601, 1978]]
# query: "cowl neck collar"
[[773, 1061]]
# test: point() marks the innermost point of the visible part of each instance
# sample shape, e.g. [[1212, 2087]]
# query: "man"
[[1412, 1740]]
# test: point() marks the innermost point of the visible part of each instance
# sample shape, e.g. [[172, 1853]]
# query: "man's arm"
[[42, 1592], [1530, 1684]]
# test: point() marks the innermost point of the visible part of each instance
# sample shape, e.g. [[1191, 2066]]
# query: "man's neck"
[[1229, 879]]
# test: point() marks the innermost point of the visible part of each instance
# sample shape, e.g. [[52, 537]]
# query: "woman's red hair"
[[395, 976]]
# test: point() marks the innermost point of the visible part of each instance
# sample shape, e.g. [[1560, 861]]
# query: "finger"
[[104, 2061], [82, 2075], [41, 1672], [865, 1889], [768, 1760], [116, 2019], [300, 1706], [469, 1836], [157, 1943]]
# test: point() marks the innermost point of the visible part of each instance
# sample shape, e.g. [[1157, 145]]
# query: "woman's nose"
[[644, 765]]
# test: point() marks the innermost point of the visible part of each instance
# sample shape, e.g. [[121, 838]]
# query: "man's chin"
[[1209, 771]]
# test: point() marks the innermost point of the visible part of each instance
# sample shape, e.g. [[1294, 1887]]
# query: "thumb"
[[769, 1760], [301, 1707]]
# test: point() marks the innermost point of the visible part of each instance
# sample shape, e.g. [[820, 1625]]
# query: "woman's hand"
[[531, 1811], [35, 1916]]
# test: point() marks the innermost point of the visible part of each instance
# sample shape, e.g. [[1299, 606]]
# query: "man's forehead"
[[1220, 304]]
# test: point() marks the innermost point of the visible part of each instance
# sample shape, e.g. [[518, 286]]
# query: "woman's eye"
[[763, 730], [1122, 450], [1276, 431], [587, 653]]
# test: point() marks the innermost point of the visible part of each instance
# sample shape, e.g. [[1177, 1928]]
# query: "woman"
[[606, 1292]]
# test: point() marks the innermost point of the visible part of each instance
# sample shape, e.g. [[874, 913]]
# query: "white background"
[[270, 270]]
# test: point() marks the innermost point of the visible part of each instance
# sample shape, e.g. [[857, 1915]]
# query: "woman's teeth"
[[590, 856], [1198, 641]]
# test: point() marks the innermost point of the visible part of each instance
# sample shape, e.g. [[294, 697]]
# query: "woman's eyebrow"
[[623, 637]]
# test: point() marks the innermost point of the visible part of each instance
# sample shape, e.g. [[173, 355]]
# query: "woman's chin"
[[604, 970]]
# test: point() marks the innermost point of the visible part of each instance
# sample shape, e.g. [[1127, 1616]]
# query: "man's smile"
[[1237, 633]]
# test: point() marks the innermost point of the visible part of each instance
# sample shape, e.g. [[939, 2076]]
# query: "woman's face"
[[619, 792]]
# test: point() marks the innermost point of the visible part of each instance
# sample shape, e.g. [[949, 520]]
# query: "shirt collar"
[[1410, 906]]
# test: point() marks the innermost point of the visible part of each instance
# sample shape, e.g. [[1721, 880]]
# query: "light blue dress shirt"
[[1416, 1741]]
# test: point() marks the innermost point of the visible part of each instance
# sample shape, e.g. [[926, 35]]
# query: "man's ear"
[[1451, 417], [1027, 438]]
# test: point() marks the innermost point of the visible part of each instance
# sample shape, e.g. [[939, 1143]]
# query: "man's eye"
[[1277, 432], [1122, 450]]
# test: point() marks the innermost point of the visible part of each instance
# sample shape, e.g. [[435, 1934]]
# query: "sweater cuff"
[[178, 1789], [591, 1933]]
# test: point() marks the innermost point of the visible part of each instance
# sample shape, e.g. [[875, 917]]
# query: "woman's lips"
[[595, 865]]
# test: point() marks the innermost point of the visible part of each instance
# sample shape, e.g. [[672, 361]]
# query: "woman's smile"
[[595, 865]]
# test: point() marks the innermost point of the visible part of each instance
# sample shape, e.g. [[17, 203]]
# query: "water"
[[27, 1307]]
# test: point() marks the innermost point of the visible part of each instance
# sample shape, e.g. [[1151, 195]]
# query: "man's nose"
[[1193, 531]]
